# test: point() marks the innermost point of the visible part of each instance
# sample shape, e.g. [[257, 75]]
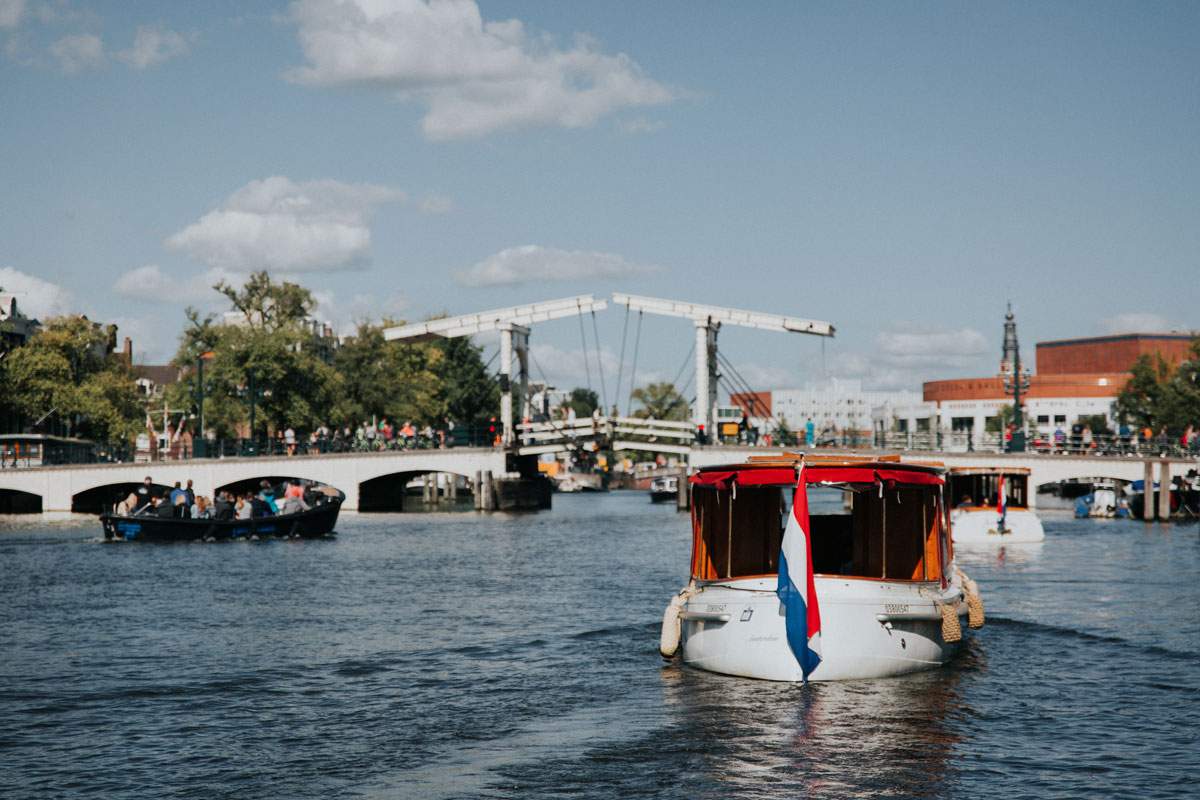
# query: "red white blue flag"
[[796, 588], [1002, 503]]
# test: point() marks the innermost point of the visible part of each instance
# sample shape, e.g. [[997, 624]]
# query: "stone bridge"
[[63, 488]]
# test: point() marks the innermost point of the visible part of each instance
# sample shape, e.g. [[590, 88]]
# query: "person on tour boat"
[[966, 501], [223, 508], [267, 495], [201, 509], [245, 506]]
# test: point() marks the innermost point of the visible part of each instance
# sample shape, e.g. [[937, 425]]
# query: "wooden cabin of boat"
[[876, 519], [977, 488]]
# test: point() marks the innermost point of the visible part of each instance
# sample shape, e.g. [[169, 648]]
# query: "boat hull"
[[316, 522], [663, 497], [977, 527], [869, 629]]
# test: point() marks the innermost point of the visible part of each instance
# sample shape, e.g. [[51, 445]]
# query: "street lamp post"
[[1015, 380]]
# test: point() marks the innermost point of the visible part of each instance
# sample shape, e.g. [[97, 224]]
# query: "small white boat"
[[992, 505], [891, 600], [664, 489]]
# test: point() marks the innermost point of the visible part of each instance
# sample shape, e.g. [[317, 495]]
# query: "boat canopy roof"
[[955, 471], [781, 470]]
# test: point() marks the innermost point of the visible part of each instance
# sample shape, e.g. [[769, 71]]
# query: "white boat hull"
[[869, 629], [973, 527]]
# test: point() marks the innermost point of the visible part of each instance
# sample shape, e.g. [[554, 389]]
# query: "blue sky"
[[898, 169]]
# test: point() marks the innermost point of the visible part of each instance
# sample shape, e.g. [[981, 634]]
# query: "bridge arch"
[[15, 501], [390, 491], [101, 498]]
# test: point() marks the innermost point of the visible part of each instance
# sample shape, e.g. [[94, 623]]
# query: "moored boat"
[[888, 596], [315, 522], [991, 504], [664, 489]]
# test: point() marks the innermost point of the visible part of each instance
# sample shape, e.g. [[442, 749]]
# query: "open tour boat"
[[887, 596], [991, 504]]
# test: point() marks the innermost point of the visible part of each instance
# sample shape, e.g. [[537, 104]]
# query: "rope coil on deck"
[[951, 629], [668, 641]]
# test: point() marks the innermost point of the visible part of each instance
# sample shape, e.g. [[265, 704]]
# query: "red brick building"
[[1109, 353]]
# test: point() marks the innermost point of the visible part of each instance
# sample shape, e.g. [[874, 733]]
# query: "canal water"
[[462, 656]]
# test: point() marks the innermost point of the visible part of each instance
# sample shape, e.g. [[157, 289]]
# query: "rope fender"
[[975, 615], [668, 641], [951, 629]]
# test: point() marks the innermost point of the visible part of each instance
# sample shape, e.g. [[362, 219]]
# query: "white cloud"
[[474, 77], [910, 345], [153, 45], [345, 315], [639, 125], [11, 12], [151, 284], [36, 297], [436, 204], [78, 52], [534, 263], [279, 225], [1138, 322]]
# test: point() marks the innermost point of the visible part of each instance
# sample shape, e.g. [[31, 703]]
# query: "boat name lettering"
[[715, 607], [895, 608]]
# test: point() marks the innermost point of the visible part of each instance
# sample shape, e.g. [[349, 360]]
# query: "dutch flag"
[[1002, 503], [796, 589]]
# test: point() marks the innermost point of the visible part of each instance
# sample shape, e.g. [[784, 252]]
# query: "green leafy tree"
[[68, 372], [1141, 400], [388, 379], [270, 351], [660, 401], [469, 394], [583, 401], [1180, 401]]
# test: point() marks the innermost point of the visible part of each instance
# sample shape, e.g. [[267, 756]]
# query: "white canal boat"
[[891, 600], [991, 504]]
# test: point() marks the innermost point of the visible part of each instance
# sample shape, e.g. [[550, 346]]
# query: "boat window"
[[854, 531], [982, 490]]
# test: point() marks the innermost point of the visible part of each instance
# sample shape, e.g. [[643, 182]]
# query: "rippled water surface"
[[465, 656]]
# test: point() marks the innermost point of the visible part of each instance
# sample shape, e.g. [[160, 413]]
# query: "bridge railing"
[[1114, 445]]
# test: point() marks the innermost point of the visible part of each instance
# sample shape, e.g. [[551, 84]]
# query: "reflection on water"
[[464, 655], [825, 739]]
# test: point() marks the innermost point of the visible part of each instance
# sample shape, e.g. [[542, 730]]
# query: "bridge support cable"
[[743, 387], [708, 321], [637, 341], [600, 366], [621, 360], [587, 369], [513, 324]]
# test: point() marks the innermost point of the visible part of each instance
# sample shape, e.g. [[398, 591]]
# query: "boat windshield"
[[982, 490], [880, 531]]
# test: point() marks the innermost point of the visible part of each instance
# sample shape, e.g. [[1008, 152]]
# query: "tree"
[[1140, 401], [469, 394], [270, 350], [583, 401], [67, 371], [660, 401], [399, 380]]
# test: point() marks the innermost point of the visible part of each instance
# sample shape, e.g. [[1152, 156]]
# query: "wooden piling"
[[1148, 504], [683, 495], [1164, 489], [477, 490]]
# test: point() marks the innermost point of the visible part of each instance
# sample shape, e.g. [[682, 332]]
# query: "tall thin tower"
[[1015, 378]]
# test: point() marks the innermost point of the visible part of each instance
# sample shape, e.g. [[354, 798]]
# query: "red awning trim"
[[776, 476]]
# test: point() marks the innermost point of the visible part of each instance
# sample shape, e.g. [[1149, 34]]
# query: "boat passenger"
[[293, 499], [966, 501], [223, 506], [164, 509], [201, 509], [126, 507], [244, 507], [191, 494], [145, 491], [267, 495]]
